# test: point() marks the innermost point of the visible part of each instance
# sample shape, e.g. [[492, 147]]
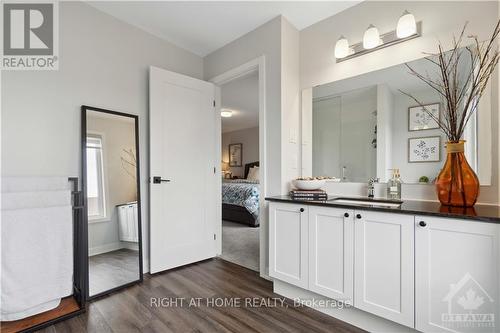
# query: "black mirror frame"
[[84, 109]]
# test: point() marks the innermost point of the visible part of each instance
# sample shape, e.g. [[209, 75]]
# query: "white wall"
[[290, 104], [278, 41], [118, 134], [249, 137], [440, 21], [385, 128], [265, 40], [411, 172], [103, 62]]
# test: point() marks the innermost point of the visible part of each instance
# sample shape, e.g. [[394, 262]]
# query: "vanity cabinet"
[[331, 252], [418, 271], [288, 243], [457, 272], [384, 265]]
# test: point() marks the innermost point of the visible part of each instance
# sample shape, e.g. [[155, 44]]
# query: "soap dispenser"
[[394, 186]]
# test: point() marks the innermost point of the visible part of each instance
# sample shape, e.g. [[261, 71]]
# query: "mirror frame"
[[84, 109]]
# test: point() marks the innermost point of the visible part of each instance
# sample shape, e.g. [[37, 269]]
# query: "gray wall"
[[249, 137], [103, 62]]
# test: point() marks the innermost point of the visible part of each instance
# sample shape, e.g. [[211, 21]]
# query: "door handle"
[[159, 180]]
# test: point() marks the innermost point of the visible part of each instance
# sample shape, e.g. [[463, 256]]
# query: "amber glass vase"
[[457, 184]]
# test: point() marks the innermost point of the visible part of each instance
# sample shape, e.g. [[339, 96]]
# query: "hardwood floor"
[[67, 306], [112, 269], [130, 310]]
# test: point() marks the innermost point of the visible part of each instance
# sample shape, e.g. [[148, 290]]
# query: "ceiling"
[[203, 27], [241, 96]]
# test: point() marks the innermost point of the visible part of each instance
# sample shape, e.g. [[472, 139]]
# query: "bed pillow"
[[253, 173]]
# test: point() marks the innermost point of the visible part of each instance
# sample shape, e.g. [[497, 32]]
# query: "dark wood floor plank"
[[66, 306], [131, 310]]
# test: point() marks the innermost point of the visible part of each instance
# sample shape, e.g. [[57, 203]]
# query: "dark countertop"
[[483, 213]]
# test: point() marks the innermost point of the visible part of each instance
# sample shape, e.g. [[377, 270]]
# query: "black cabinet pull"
[[346, 215], [301, 210], [358, 216], [422, 224]]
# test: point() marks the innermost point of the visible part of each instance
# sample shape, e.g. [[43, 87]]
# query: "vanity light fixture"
[[226, 113], [342, 48], [406, 25], [371, 38], [406, 29]]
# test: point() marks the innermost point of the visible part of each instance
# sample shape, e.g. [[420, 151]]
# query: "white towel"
[[40, 199], [37, 259], [32, 184]]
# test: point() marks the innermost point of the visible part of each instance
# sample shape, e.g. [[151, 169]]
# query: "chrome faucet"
[[371, 187]]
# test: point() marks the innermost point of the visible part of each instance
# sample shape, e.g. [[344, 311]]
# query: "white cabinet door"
[[457, 282], [384, 271], [331, 252], [288, 243], [122, 222]]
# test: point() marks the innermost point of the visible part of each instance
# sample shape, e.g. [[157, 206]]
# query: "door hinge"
[[215, 236], [215, 170], [214, 102]]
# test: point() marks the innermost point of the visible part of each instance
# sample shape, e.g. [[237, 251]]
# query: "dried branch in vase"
[[460, 90], [129, 163]]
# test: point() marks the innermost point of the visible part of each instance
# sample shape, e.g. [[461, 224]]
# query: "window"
[[96, 201]]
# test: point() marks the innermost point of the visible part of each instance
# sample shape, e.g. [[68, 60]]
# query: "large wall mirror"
[[111, 181], [362, 127]]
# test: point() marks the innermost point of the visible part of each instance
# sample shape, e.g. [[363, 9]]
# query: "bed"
[[240, 199]]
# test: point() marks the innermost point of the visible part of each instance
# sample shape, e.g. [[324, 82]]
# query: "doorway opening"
[[240, 170], [242, 223]]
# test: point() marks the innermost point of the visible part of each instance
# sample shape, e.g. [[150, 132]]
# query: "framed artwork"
[[426, 149], [419, 118], [236, 155]]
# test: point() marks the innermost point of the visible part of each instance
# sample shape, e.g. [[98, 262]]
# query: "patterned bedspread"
[[242, 192]]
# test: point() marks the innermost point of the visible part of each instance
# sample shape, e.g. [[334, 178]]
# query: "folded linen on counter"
[[37, 260], [33, 184], [40, 199]]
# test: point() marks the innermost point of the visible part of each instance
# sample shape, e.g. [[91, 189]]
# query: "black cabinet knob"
[[422, 224], [301, 210], [358, 216], [346, 215]]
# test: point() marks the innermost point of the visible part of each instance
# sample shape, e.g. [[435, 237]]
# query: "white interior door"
[[182, 170]]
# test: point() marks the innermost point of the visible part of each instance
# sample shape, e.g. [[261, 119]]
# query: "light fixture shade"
[[341, 48], [371, 38], [406, 25], [226, 113]]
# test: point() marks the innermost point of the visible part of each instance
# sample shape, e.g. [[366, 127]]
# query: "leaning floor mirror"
[[110, 165]]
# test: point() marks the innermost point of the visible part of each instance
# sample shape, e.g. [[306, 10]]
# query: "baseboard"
[[105, 248], [353, 316], [130, 245]]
